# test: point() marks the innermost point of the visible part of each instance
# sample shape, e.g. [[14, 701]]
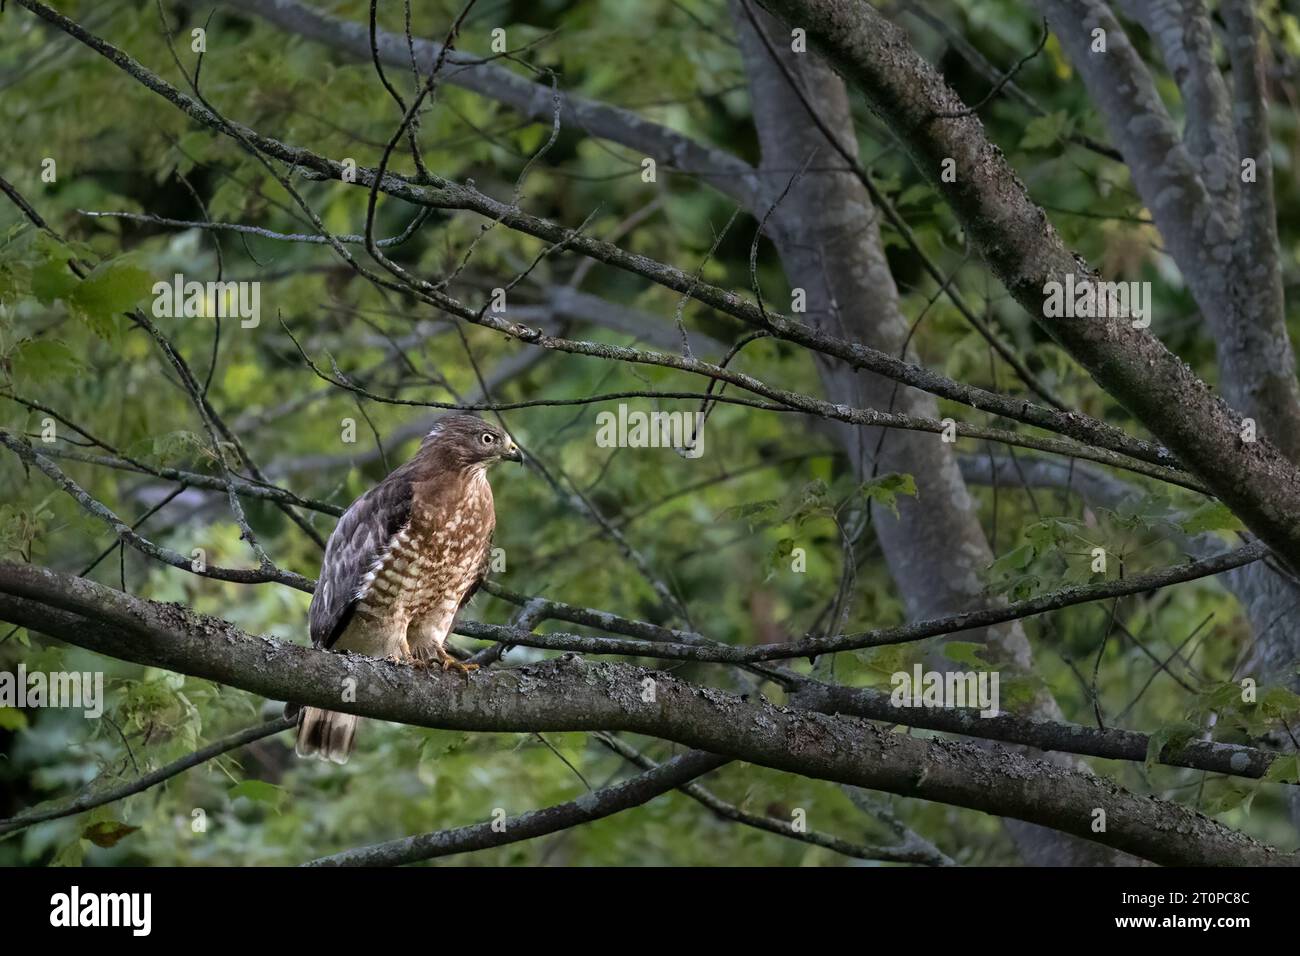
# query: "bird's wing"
[[363, 534]]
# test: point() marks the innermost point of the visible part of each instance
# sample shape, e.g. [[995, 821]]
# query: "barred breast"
[[425, 572]]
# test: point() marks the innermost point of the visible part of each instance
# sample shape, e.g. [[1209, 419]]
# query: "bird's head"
[[467, 440]]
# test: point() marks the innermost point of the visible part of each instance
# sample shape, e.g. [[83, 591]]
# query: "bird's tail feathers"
[[327, 734]]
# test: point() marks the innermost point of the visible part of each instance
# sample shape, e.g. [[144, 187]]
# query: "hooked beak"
[[511, 452]]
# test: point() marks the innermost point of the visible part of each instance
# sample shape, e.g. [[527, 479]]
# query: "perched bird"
[[403, 560]]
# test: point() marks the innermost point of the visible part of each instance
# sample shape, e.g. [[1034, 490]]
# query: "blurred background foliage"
[[118, 147]]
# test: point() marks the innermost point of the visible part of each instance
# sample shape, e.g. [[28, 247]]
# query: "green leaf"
[[1276, 705], [259, 791], [175, 446], [777, 556], [74, 854], [1045, 131], [112, 288], [1173, 735], [754, 512], [1015, 560], [884, 662], [45, 359], [11, 718], [914, 193], [1018, 692], [965, 652], [1026, 587], [1230, 797], [1285, 769], [885, 489], [1051, 532], [888, 184], [18, 528], [812, 500], [1211, 516], [1280, 702], [52, 280], [107, 833]]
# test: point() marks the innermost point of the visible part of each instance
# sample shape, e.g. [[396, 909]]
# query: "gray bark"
[[827, 233], [573, 694], [1221, 230], [1014, 236]]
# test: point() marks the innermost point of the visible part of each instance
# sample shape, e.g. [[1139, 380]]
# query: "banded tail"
[[327, 734]]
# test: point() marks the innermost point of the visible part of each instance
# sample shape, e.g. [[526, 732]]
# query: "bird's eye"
[[488, 438]]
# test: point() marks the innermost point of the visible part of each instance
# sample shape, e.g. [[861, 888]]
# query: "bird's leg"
[[411, 659], [450, 662]]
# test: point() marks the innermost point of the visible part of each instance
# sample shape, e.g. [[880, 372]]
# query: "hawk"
[[403, 560]]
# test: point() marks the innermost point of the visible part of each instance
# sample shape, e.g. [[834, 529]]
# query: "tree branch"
[[572, 694], [140, 784], [1112, 743], [719, 168], [455, 196], [913, 849], [877, 637], [1181, 30], [1046, 735], [268, 572], [1013, 234], [528, 826]]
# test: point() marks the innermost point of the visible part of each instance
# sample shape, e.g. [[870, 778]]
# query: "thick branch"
[[1252, 342], [1219, 228], [1181, 29], [1111, 744], [573, 694], [1163, 168], [1047, 735], [1022, 248]]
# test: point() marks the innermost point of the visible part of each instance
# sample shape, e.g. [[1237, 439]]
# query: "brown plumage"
[[403, 560]]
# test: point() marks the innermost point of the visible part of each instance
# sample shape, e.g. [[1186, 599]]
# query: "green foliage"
[[1212, 516], [721, 532], [886, 489], [107, 833], [260, 791], [109, 289], [20, 528], [1230, 796], [1172, 736], [1045, 132], [966, 652], [1284, 769]]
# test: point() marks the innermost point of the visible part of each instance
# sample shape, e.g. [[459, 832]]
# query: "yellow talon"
[[451, 663]]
